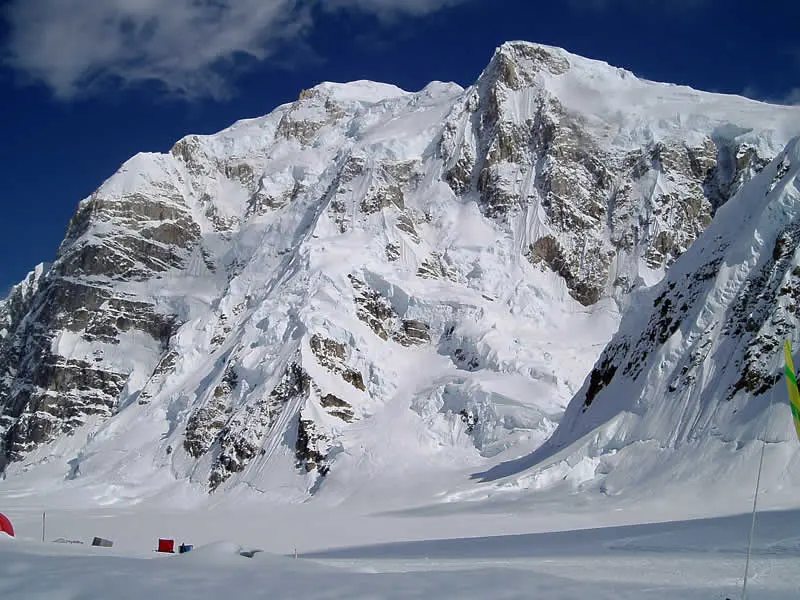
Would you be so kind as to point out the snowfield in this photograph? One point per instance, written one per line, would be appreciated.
(697, 559)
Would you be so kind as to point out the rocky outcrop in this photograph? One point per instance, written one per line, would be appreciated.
(691, 361)
(436, 266)
(597, 203)
(765, 314)
(61, 365)
(148, 236)
(333, 355)
(313, 110)
(239, 435)
(337, 407)
(391, 181)
(47, 394)
(311, 448)
(377, 311)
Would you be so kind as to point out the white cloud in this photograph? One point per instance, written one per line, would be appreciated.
(752, 92)
(385, 8)
(662, 6)
(793, 97)
(188, 46)
(790, 98)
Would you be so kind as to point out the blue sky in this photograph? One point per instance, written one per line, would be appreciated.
(85, 84)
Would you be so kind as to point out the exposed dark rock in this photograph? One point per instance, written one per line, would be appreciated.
(337, 407)
(392, 252)
(241, 437)
(466, 360)
(763, 314)
(413, 332)
(135, 237)
(262, 201)
(308, 454)
(296, 124)
(60, 393)
(469, 419)
(328, 352)
(547, 251)
(373, 309)
(332, 355)
(295, 383)
(377, 312)
(434, 267)
(406, 225)
(600, 377)
(204, 426)
(390, 183)
(590, 196)
(382, 198)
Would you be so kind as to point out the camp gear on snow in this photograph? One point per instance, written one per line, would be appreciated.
(5, 525)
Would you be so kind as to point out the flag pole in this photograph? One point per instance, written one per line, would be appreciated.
(755, 497)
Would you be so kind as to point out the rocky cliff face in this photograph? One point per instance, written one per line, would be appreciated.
(598, 205)
(441, 266)
(696, 369)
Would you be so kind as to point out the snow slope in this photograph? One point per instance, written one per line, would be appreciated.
(681, 401)
(367, 286)
(692, 559)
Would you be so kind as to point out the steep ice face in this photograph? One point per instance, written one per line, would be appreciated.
(693, 377)
(365, 283)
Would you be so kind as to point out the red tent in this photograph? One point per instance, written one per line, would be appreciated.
(166, 545)
(6, 526)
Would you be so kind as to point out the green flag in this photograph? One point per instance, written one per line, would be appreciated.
(791, 383)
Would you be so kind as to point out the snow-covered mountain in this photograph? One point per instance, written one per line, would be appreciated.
(368, 283)
(692, 382)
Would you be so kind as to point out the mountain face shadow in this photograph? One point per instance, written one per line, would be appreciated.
(517, 465)
(778, 536)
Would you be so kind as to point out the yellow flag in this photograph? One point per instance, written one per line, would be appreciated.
(791, 383)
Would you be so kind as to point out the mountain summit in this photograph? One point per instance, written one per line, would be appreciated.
(369, 284)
